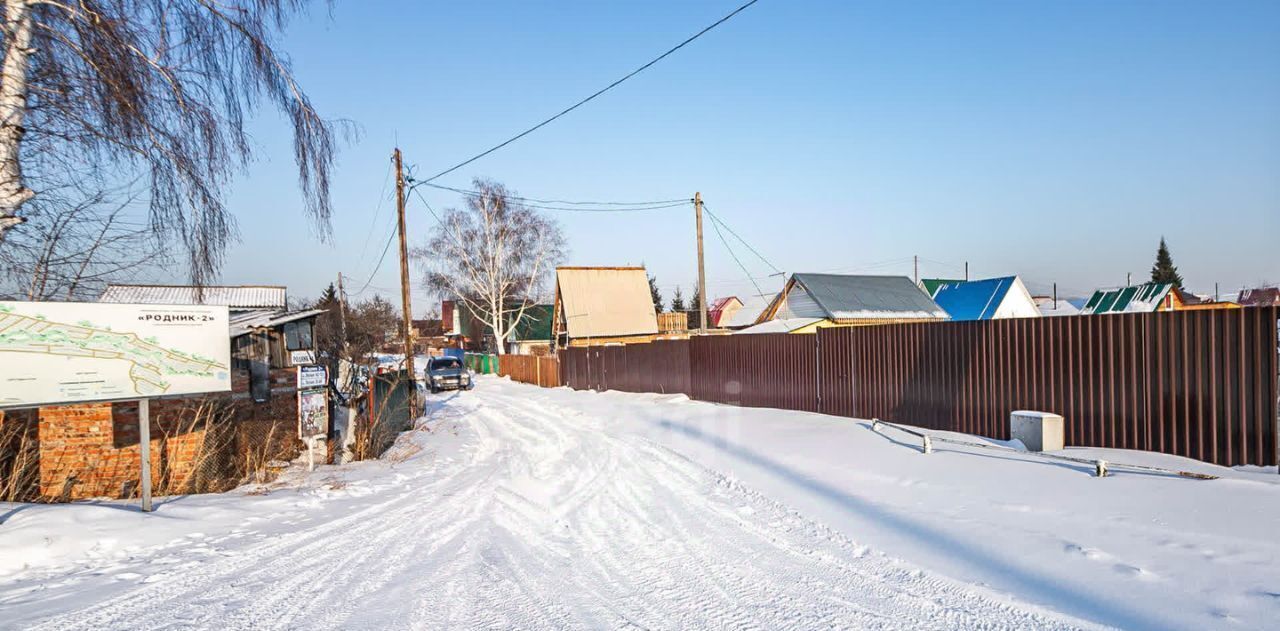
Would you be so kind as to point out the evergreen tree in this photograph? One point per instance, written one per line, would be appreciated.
(328, 297)
(655, 293)
(677, 301)
(1164, 271)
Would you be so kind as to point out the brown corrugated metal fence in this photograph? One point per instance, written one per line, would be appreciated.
(1201, 384)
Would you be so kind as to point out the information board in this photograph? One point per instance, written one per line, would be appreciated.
(74, 352)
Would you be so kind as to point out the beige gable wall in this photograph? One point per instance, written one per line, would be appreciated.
(603, 302)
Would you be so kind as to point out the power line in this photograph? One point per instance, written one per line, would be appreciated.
(716, 225)
(552, 201)
(589, 98)
(373, 221)
(391, 237)
(715, 219)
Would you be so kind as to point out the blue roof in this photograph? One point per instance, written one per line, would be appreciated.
(975, 299)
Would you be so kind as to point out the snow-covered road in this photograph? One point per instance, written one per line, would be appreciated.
(520, 512)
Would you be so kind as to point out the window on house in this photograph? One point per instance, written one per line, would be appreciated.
(297, 336)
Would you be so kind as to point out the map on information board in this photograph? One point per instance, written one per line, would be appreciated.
(72, 352)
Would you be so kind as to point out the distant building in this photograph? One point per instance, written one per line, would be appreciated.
(532, 334)
(602, 305)
(1061, 307)
(987, 299)
(1145, 298)
(722, 310)
(748, 313)
(853, 300)
(1260, 297)
(261, 327)
(931, 285)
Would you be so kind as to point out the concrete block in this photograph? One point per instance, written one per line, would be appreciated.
(1039, 431)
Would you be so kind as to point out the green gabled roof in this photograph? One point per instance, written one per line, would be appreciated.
(931, 285)
(535, 325)
(1134, 299)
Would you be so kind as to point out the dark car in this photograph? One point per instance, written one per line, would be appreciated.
(448, 373)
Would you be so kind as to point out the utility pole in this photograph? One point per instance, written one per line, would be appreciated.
(966, 271)
(1128, 279)
(702, 270)
(342, 314)
(1055, 296)
(406, 324)
(915, 262)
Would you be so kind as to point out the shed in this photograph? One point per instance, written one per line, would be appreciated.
(853, 300)
(602, 305)
(986, 299)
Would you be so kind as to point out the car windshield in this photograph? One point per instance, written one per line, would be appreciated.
(445, 363)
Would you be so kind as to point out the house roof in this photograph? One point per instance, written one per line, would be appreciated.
(931, 285)
(751, 309)
(605, 301)
(720, 303)
(535, 325)
(244, 322)
(1133, 299)
(238, 297)
(785, 325)
(1260, 297)
(849, 297)
(975, 299)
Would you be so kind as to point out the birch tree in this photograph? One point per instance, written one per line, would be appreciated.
(74, 242)
(495, 256)
(157, 88)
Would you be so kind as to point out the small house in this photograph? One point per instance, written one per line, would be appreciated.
(852, 300)
(987, 299)
(722, 310)
(602, 305)
(532, 334)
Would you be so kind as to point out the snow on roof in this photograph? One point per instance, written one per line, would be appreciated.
(605, 301)
(851, 297)
(749, 313)
(236, 297)
(1143, 298)
(780, 326)
(974, 299)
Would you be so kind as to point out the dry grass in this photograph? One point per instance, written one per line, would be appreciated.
(19, 461)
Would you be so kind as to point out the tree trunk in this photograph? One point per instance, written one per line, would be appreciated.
(13, 109)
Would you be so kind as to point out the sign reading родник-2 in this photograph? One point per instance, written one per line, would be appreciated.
(75, 352)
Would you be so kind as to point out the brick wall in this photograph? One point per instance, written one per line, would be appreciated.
(91, 450)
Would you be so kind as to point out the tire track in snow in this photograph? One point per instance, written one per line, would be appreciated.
(552, 521)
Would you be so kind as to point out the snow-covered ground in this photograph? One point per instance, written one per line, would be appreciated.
(513, 506)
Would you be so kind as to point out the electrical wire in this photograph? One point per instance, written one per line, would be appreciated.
(373, 221)
(554, 201)
(590, 98)
(391, 237)
(716, 226)
(715, 219)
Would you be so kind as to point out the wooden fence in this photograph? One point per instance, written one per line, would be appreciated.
(1201, 384)
(539, 371)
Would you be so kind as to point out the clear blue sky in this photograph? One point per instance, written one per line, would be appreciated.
(1058, 141)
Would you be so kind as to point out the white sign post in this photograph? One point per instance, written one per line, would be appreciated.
(60, 353)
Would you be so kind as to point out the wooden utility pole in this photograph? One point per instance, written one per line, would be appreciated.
(407, 323)
(702, 270)
(915, 263)
(342, 315)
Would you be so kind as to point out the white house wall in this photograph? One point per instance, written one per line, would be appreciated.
(1017, 303)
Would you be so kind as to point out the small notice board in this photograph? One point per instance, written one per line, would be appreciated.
(313, 401)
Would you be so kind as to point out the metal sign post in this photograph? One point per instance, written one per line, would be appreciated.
(144, 449)
(313, 408)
